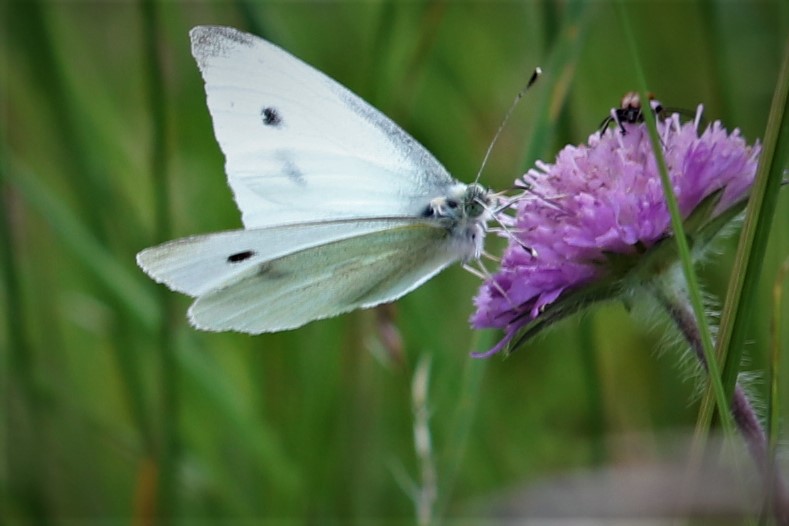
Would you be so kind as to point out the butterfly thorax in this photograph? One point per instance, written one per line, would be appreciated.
(465, 210)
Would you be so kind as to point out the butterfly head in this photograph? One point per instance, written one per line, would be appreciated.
(465, 209)
(462, 203)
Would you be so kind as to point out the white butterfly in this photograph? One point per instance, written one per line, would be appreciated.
(341, 208)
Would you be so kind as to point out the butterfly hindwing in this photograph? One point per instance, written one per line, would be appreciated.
(198, 264)
(326, 280)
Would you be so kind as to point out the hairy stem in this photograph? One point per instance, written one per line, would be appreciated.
(674, 301)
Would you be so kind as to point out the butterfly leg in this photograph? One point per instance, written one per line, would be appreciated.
(483, 273)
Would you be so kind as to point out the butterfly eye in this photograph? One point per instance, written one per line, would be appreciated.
(475, 209)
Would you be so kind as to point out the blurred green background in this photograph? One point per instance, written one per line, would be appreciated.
(115, 409)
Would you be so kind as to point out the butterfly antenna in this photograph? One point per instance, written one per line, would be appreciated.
(534, 76)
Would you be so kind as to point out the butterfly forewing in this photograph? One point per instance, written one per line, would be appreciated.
(299, 146)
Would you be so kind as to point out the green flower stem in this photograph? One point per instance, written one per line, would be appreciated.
(693, 291)
(676, 303)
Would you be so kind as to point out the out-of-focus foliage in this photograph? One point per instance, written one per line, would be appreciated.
(114, 407)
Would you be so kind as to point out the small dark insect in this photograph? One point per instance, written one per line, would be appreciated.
(630, 110)
(240, 256)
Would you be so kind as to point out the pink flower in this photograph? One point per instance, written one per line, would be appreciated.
(597, 212)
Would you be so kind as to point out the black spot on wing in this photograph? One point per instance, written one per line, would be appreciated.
(270, 116)
(290, 168)
(238, 257)
(293, 173)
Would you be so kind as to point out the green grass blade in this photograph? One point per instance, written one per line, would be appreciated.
(774, 395)
(741, 292)
(467, 404)
(167, 454)
(83, 227)
(115, 276)
(686, 260)
(260, 442)
(36, 39)
(558, 72)
(593, 388)
(26, 492)
(756, 230)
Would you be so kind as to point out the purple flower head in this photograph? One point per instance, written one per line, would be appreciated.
(598, 213)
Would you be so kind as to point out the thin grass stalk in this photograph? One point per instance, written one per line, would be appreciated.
(741, 291)
(31, 30)
(20, 400)
(431, 17)
(551, 23)
(683, 249)
(714, 57)
(773, 395)
(755, 234)
(596, 413)
(381, 51)
(20, 394)
(111, 276)
(167, 454)
(559, 70)
(263, 448)
(253, 20)
(134, 301)
(427, 491)
(460, 428)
